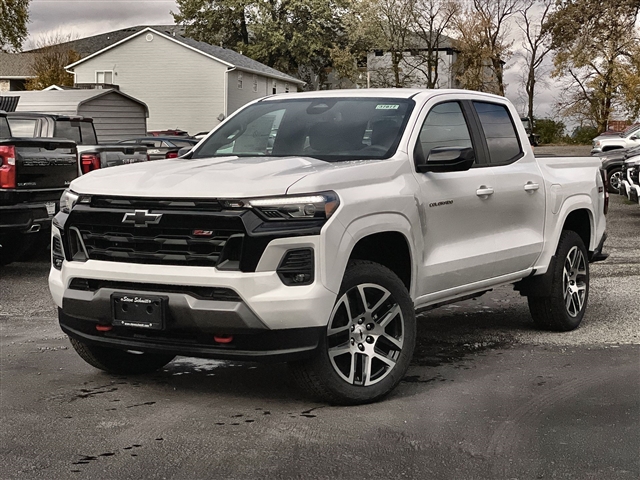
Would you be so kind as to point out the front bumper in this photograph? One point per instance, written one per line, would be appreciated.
(634, 193)
(253, 345)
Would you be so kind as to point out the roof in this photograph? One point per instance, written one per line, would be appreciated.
(223, 55)
(64, 102)
(16, 65)
(416, 41)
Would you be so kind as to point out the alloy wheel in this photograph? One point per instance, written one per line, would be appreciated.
(365, 335)
(574, 281)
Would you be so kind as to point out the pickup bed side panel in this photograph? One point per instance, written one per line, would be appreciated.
(572, 184)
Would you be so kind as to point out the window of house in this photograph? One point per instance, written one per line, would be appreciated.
(255, 83)
(502, 139)
(105, 76)
(286, 88)
(378, 53)
(239, 80)
(445, 126)
(274, 87)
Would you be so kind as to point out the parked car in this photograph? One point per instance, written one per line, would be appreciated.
(171, 133)
(630, 184)
(612, 162)
(319, 249)
(162, 147)
(33, 174)
(92, 156)
(626, 139)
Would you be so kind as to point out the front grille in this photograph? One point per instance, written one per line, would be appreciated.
(180, 238)
(205, 293)
(154, 203)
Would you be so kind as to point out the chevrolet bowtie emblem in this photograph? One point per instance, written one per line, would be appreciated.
(142, 218)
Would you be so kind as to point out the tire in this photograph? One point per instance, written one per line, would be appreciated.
(564, 308)
(117, 361)
(365, 354)
(614, 178)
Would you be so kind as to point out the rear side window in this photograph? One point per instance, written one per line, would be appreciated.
(500, 133)
(4, 128)
(23, 127)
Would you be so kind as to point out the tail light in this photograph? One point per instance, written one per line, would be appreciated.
(148, 157)
(603, 174)
(7, 166)
(171, 155)
(89, 162)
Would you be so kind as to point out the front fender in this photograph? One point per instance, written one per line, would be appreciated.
(360, 228)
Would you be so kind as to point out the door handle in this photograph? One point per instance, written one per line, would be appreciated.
(531, 187)
(484, 191)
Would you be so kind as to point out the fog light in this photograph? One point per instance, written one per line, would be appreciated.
(297, 268)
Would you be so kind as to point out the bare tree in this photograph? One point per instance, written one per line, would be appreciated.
(51, 55)
(432, 18)
(536, 44)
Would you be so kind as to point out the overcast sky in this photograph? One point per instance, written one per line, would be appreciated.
(83, 18)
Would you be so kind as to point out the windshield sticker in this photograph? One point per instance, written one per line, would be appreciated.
(387, 107)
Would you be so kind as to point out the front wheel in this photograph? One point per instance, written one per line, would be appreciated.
(369, 341)
(615, 180)
(564, 308)
(117, 361)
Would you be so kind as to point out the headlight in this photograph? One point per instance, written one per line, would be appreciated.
(316, 205)
(68, 201)
(596, 143)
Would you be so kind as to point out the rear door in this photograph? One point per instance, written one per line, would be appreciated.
(517, 203)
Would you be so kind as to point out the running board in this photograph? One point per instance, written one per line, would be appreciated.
(454, 300)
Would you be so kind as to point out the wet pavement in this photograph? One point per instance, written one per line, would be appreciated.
(487, 397)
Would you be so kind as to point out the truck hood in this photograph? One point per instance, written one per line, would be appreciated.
(222, 177)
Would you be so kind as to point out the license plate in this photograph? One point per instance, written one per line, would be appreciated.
(138, 311)
(51, 208)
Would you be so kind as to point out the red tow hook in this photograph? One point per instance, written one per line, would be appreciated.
(103, 328)
(223, 338)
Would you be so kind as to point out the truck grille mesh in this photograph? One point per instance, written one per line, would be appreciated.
(180, 238)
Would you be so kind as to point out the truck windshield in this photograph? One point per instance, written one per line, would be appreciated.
(330, 129)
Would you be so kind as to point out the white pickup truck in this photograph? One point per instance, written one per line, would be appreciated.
(310, 228)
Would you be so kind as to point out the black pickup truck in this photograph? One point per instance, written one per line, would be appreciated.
(81, 130)
(33, 174)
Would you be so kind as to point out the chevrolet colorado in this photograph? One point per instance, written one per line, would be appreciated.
(310, 228)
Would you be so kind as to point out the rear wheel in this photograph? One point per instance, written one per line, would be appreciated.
(113, 360)
(369, 339)
(564, 308)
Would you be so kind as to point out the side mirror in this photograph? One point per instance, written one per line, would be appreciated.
(183, 151)
(634, 137)
(448, 159)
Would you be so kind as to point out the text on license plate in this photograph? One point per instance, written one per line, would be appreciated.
(51, 208)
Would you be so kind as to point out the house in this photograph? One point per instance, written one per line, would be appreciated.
(115, 115)
(15, 70)
(186, 84)
(413, 64)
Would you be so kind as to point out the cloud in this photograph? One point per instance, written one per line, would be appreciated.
(86, 18)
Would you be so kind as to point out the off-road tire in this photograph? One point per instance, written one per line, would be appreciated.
(117, 361)
(551, 312)
(318, 376)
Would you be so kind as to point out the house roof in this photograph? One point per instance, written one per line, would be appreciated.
(65, 102)
(174, 33)
(16, 65)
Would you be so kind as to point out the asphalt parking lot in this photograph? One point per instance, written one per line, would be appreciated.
(487, 397)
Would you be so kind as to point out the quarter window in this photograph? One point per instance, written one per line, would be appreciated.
(445, 126)
(500, 133)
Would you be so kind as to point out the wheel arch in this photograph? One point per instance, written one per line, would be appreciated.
(384, 238)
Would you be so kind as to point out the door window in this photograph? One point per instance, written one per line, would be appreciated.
(500, 133)
(445, 126)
